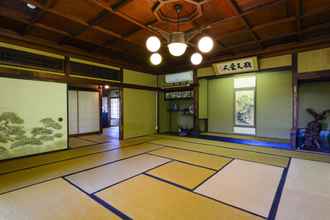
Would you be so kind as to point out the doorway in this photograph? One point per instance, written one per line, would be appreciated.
(111, 113)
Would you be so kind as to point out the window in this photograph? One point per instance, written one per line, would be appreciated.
(244, 117)
(105, 104)
(114, 108)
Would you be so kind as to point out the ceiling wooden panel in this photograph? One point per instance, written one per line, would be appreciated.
(262, 15)
(85, 10)
(61, 23)
(118, 24)
(139, 10)
(248, 4)
(119, 28)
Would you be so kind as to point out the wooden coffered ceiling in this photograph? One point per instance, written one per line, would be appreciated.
(116, 30)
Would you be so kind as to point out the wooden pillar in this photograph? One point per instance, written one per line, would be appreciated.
(295, 100)
(196, 101)
(121, 99)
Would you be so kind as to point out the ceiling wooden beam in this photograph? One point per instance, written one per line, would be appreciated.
(39, 16)
(238, 12)
(93, 22)
(299, 15)
(123, 16)
(76, 20)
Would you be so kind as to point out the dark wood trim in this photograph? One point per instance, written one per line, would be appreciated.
(121, 127)
(196, 101)
(84, 134)
(100, 90)
(323, 75)
(295, 100)
(282, 68)
(76, 88)
(179, 88)
(158, 105)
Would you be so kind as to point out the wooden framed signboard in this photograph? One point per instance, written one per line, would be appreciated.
(249, 64)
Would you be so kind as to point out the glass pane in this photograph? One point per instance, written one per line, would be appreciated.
(114, 108)
(105, 104)
(245, 82)
(244, 107)
(244, 130)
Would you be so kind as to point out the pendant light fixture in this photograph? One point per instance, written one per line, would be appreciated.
(156, 59)
(177, 41)
(177, 45)
(196, 58)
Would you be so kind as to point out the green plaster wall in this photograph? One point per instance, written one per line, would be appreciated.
(221, 104)
(164, 115)
(274, 104)
(315, 95)
(202, 96)
(139, 112)
(138, 78)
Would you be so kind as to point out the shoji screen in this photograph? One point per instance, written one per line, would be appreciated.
(89, 112)
(73, 111)
(33, 117)
(84, 112)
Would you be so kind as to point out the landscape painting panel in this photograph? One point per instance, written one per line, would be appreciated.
(244, 108)
(33, 117)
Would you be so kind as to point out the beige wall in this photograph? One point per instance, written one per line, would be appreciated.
(206, 71)
(139, 112)
(139, 78)
(277, 61)
(314, 60)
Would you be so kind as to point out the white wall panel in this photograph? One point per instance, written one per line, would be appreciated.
(73, 111)
(89, 111)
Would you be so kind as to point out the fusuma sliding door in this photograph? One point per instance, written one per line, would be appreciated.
(84, 112)
(33, 117)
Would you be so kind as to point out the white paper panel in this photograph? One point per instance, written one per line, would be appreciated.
(89, 111)
(73, 112)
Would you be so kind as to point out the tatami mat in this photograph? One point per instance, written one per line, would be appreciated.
(18, 164)
(315, 156)
(54, 200)
(182, 174)
(208, 161)
(78, 142)
(97, 138)
(227, 152)
(247, 185)
(37, 160)
(306, 193)
(27, 177)
(96, 179)
(147, 198)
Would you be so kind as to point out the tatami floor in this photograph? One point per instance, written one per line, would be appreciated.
(165, 177)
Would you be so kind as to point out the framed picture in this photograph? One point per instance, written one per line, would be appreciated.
(245, 108)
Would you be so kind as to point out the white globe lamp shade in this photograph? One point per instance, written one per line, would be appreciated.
(153, 44)
(196, 58)
(156, 59)
(177, 48)
(205, 44)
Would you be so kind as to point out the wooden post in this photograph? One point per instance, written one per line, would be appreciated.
(295, 100)
(196, 101)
